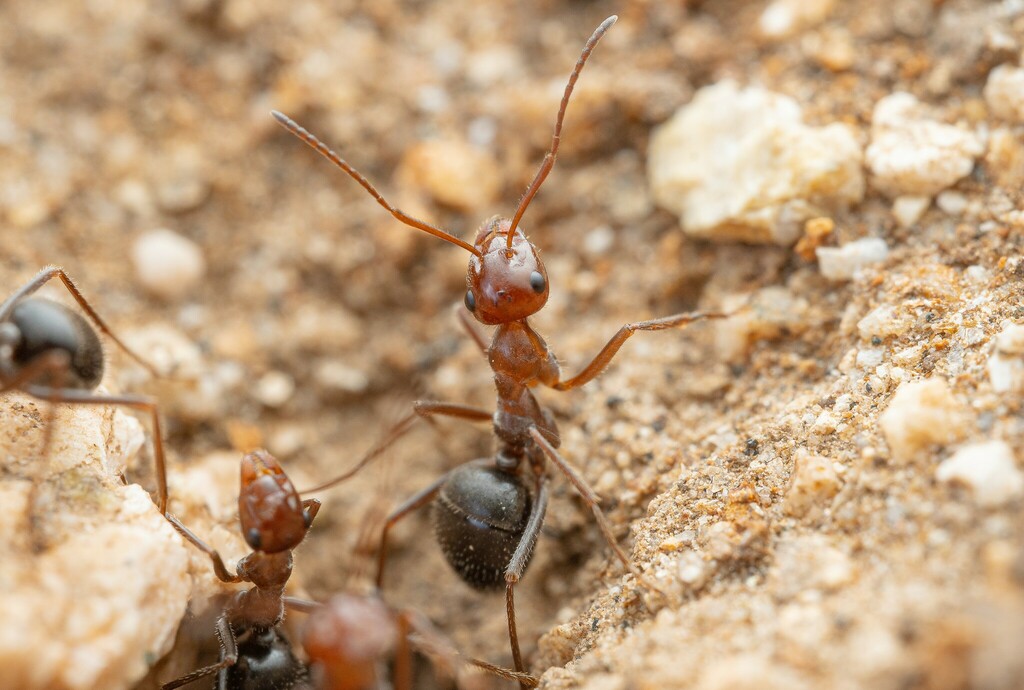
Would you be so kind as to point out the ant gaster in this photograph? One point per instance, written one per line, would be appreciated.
(274, 519)
(50, 352)
(488, 513)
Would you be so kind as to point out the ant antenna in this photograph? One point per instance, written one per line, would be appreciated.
(549, 159)
(321, 148)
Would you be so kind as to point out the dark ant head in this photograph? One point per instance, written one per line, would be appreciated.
(269, 507)
(346, 638)
(479, 518)
(38, 325)
(505, 283)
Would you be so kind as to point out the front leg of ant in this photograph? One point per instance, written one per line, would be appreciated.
(143, 403)
(218, 564)
(228, 657)
(517, 565)
(417, 500)
(591, 499)
(604, 357)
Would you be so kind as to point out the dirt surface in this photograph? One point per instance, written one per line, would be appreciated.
(319, 317)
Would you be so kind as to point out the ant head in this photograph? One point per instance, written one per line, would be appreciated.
(507, 281)
(269, 507)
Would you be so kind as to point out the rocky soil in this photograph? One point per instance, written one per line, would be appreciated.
(827, 487)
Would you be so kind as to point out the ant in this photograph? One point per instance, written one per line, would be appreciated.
(52, 353)
(346, 638)
(254, 652)
(488, 513)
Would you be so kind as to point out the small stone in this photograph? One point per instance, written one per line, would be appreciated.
(739, 164)
(831, 47)
(814, 483)
(909, 209)
(912, 154)
(167, 264)
(870, 357)
(953, 203)
(1005, 158)
(844, 262)
(815, 232)
(692, 569)
(275, 388)
(785, 18)
(883, 322)
(921, 414)
(333, 374)
(770, 313)
(1006, 364)
(453, 172)
(988, 469)
(1004, 93)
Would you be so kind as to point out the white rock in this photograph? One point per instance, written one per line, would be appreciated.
(913, 154)
(739, 164)
(167, 264)
(275, 388)
(909, 209)
(104, 598)
(988, 469)
(953, 203)
(770, 312)
(1006, 364)
(784, 18)
(921, 414)
(842, 263)
(814, 483)
(1004, 92)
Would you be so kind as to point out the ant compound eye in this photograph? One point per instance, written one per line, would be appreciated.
(537, 282)
(470, 300)
(252, 537)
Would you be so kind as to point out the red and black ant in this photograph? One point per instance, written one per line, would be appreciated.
(50, 352)
(274, 519)
(488, 513)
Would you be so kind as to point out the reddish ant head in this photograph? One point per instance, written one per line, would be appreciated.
(269, 507)
(506, 282)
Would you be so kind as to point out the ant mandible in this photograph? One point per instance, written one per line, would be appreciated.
(50, 352)
(488, 515)
(274, 519)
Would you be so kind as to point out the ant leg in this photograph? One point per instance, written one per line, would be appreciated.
(228, 656)
(143, 403)
(399, 429)
(591, 499)
(218, 564)
(517, 564)
(429, 408)
(402, 679)
(469, 325)
(300, 605)
(417, 500)
(51, 272)
(604, 357)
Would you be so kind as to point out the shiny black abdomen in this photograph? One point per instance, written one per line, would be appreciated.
(479, 517)
(265, 662)
(45, 326)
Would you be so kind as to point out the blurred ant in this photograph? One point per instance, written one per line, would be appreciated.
(254, 652)
(488, 513)
(50, 352)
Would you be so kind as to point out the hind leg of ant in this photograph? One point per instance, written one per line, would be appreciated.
(228, 657)
(395, 432)
(48, 274)
(517, 565)
(414, 502)
(143, 403)
(591, 499)
(469, 325)
(218, 563)
(604, 357)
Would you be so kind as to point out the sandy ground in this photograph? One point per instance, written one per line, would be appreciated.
(319, 317)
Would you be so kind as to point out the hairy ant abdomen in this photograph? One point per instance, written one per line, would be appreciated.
(44, 326)
(480, 516)
(266, 662)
